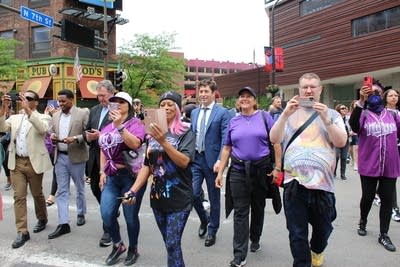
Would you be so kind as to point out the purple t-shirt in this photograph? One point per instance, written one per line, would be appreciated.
(247, 136)
(112, 144)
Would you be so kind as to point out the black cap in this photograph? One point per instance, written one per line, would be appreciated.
(249, 90)
(177, 98)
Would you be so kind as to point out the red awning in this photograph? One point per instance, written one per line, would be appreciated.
(38, 85)
(6, 87)
(87, 86)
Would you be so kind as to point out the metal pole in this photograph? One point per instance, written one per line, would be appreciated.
(272, 41)
(105, 37)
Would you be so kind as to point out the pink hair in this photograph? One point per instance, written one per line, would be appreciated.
(178, 126)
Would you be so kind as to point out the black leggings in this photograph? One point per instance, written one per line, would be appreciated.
(385, 190)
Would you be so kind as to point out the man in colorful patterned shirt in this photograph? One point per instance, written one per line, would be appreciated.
(309, 163)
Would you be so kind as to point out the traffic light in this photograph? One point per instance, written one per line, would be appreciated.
(118, 80)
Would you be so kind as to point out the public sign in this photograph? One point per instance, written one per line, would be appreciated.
(37, 17)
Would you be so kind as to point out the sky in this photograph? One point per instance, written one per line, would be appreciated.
(219, 30)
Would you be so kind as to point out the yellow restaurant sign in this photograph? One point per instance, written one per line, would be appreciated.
(43, 70)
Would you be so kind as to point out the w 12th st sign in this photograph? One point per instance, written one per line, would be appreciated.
(37, 17)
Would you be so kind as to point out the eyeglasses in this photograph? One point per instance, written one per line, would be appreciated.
(343, 108)
(29, 98)
(312, 87)
(120, 101)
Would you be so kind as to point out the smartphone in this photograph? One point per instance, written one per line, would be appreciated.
(368, 81)
(53, 103)
(306, 102)
(158, 116)
(113, 106)
(279, 179)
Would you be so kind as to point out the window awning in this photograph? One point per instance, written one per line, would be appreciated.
(38, 85)
(6, 87)
(87, 86)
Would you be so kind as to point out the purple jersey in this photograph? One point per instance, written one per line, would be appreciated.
(112, 144)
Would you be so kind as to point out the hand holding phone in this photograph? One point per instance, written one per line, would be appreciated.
(113, 106)
(368, 81)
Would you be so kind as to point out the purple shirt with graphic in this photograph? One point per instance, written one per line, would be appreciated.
(112, 144)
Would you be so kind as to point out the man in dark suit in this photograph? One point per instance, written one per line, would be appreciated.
(209, 123)
(98, 118)
(71, 155)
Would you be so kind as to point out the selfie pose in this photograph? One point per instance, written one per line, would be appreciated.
(379, 161)
(168, 158)
(124, 133)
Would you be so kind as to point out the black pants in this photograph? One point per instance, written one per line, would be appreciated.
(94, 181)
(385, 190)
(243, 201)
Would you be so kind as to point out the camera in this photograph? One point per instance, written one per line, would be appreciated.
(14, 96)
(306, 102)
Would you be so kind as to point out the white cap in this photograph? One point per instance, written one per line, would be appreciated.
(122, 95)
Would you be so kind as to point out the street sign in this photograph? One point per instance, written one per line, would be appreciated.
(37, 17)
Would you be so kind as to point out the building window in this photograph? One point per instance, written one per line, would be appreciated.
(7, 35)
(39, 3)
(375, 22)
(87, 52)
(40, 42)
(6, 2)
(312, 6)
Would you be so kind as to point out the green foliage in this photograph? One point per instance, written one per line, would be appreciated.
(8, 64)
(150, 69)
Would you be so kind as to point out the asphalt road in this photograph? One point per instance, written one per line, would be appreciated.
(80, 247)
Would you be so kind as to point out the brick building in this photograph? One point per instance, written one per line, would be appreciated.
(340, 40)
(50, 60)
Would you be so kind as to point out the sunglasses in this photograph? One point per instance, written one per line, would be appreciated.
(29, 98)
(343, 108)
(119, 101)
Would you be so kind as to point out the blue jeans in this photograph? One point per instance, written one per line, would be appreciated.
(171, 226)
(201, 171)
(117, 186)
(305, 207)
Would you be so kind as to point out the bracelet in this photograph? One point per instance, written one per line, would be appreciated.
(121, 129)
(101, 172)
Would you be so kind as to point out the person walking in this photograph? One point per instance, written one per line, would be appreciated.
(98, 119)
(379, 164)
(209, 123)
(27, 160)
(275, 109)
(249, 178)
(342, 152)
(124, 133)
(309, 161)
(168, 159)
(71, 154)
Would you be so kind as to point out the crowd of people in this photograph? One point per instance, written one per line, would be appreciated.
(305, 142)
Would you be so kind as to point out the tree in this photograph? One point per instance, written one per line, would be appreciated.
(149, 66)
(8, 64)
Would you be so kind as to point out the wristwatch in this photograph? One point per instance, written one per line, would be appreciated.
(75, 138)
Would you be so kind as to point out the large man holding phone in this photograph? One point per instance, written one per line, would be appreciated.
(28, 160)
(309, 162)
(209, 123)
(98, 118)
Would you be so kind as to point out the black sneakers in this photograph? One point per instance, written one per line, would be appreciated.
(132, 257)
(115, 253)
(255, 246)
(237, 262)
(386, 242)
(362, 228)
(105, 240)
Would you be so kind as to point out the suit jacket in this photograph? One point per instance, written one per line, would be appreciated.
(93, 123)
(77, 151)
(216, 128)
(37, 129)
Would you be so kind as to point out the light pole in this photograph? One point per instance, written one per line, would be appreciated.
(272, 35)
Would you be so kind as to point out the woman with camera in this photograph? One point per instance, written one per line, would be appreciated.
(379, 164)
